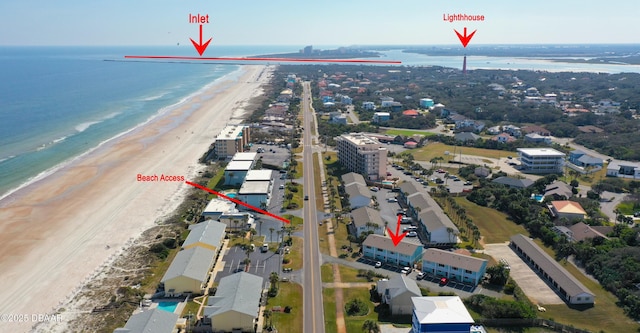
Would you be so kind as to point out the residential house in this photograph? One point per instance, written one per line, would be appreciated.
(151, 320)
(558, 190)
(189, 272)
(537, 138)
(208, 234)
(454, 266)
(410, 113)
(381, 117)
(216, 207)
(581, 231)
(504, 138)
(378, 247)
(623, 169)
(407, 189)
(368, 106)
(467, 136)
(437, 227)
(338, 118)
(584, 160)
(565, 284)
(426, 103)
(355, 186)
(236, 304)
(440, 314)
(397, 293)
(495, 130)
(513, 130)
(567, 209)
(514, 182)
(534, 129)
(366, 219)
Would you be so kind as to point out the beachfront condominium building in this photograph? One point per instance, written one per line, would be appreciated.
(541, 160)
(362, 154)
(232, 139)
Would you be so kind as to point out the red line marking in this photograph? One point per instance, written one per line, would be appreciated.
(267, 59)
(254, 208)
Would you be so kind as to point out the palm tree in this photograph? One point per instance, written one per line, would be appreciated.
(271, 233)
(370, 326)
(260, 230)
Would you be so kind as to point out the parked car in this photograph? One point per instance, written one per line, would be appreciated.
(444, 281)
(406, 270)
(378, 264)
(420, 276)
(412, 234)
(264, 248)
(306, 197)
(392, 200)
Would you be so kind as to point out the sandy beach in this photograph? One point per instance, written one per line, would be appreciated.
(56, 233)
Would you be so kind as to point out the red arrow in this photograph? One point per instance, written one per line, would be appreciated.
(397, 237)
(200, 47)
(254, 208)
(464, 38)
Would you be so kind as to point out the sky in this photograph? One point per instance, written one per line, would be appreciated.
(327, 22)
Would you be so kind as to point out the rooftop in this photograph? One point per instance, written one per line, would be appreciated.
(208, 232)
(239, 166)
(219, 206)
(567, 207)
(385, 243)
(257, 175)
(364, 215)
(353, 177)
(255, 187)
(453, 259)
(230, 132)
(549, 152)
(440, 310)
(246, 156)
(239, 292)
(151, 320)
(359, 139)
(193, 263)
(514, 182)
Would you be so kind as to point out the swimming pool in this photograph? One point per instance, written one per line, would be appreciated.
(537, 197)
(231, 195)
(168, 306)
(387, 182)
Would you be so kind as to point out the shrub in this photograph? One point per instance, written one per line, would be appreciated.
(287, 309)
(356, 307)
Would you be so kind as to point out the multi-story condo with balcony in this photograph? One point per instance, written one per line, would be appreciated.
(362, 154)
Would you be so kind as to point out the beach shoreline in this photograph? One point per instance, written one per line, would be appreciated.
(59, 231)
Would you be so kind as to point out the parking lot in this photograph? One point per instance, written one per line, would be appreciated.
(273, 154)
(262, 264)
(427, 281)
(532, 285)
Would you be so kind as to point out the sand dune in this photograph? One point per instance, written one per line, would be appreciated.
(55, 233)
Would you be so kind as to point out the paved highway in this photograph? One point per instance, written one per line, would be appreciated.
(313, 314)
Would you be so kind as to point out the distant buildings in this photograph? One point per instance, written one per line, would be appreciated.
(381, 117)
(454, 266)
(232, 139)
(362, 154)
(565, 284)
(623, 169)
(426, 102)
(541, 160)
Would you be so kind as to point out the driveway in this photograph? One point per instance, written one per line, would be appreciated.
(607, 207)
(533, 286)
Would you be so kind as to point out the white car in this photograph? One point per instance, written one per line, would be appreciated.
(420, 276)
(406, 270)
(412, 234)
(378, 264)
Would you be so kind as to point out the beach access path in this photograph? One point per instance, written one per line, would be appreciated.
(56, 233)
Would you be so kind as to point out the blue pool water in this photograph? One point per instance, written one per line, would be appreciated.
(537, 197)
(231, 195)
(387, 183)
(168, 306)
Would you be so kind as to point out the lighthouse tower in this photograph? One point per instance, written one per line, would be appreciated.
(464, 65)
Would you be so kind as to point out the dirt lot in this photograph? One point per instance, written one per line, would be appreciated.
(532, 285)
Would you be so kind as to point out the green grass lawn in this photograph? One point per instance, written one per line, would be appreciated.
(407, 132)
(298, 170)
(295, 255)
(216, 181)
(193, 307)
(354, 323)
(437, 149)
(318, 183)
(626, 208)
(326, 271)
(494, 225)
(289, 294)
(329, 303)
(297, 194)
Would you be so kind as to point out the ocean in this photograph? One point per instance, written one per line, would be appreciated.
(57, 103)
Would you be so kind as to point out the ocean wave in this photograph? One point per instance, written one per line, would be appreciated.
(84, 126)
(51, 143)
(7, 158)
(162, 111)
(155, 97)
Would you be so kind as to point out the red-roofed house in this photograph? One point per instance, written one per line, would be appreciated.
(410, 113)
(410, 144)
(504, 138)
(569, 209)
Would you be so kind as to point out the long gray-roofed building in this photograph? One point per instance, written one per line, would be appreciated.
(381, 248)
(236, 304)
(189, 271)
(567, 286)
(455, 266)
(514, 182)
(152, 320)
(208, 234)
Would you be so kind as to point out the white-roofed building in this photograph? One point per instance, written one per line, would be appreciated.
(541, 160)
(440, 314)
(259, 175)
(623, 169)
(151, 320)
(236, 304)
(232, 139)
(245, 156)
(216, 207)
(237, 220)
(255, 193)
(208, 234)
(236, 171)
(189, 272)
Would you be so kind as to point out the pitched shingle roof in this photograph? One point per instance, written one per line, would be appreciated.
(208, 232)
(409, 188)
(385, 243)
(565, 280)
(353, 177)
(364, 215)
(453, 259)
(434, 219)
(193, 263)
(357, 189)
(567, 207)
(152, 320)
(238, 292)
(514, 182)
(397, 285)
